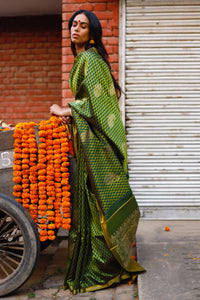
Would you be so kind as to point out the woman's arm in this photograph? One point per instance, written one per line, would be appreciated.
(55, 109)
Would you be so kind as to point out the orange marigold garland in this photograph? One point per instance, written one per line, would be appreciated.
(17, 163)
(41, 175)
(42, 187)
(66, 221)
(25, 166)
(33, 207)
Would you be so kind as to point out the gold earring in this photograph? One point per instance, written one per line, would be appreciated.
(92, 42)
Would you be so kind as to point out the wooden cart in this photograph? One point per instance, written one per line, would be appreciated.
(19, 238)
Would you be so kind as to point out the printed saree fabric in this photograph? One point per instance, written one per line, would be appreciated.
(105, 213)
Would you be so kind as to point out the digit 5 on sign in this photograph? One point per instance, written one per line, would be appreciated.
(6, 159)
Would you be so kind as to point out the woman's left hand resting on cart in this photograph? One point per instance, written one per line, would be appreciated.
(64, 113)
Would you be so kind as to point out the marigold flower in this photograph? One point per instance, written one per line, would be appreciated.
(56, 148)
(50, 206)
(42, 212)
(17, 194)
(25, 172)
(41, 178)
(42, 133)
(51, 226)
(57, 207)
(66, 203)
(67, 220)
(43, 226)
(49, 182)
(50, 213)
(43, 197)
(33, 150)
(50, 178)
(58, 161)
(50, 232)
(32, 179)
(17, 179)
(25, 186)
(66, 210)
(16, 167)
(43, 220)
(51, 237)
(42, 192)
(65, 159)
(42, 202)
(56, 142)
(34, 216)
(25, 180)
(43, 238)
(42, 207)
(50, 202)
(55, 135)
(67, 215)
(41, 166)
(25, 205)
(25, 161)
(25, 197)
(17, 155)
(57, 151)
(42, 159)
(42, 183)
(63, 140)
(66, 226)
(25, 147)
(17, 173)
(62, 135)
(51, 218)
(34, 200)
(66, 187)
(65, 149)
(43, 232)
(25, 166)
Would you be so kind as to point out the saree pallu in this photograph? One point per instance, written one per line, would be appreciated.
(105, 213)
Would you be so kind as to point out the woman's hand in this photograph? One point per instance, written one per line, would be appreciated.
(66, 120)
(63, 112)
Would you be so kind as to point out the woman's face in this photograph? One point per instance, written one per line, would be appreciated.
(80, 34)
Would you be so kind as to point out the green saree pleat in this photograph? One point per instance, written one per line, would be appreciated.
(105, 213)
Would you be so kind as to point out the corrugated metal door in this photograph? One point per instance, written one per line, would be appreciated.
(162, 104)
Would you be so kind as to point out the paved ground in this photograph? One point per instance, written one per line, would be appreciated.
(171, 258)
(47, 279)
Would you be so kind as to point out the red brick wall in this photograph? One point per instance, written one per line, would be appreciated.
(30, 67)
(108, 14)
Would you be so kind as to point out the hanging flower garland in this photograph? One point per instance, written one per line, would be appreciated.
(41, 174)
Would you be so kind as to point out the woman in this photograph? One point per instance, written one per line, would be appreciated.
(104, 213)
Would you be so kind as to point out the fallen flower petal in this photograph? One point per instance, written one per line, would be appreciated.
(167, 228)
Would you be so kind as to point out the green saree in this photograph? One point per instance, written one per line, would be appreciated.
(104, 213)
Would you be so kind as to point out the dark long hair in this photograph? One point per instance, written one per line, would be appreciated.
(96, 35)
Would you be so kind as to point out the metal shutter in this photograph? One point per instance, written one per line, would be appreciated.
(162, 106)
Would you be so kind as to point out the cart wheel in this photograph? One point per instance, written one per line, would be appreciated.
(19, 245)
